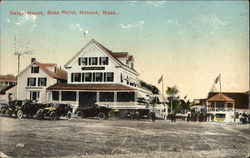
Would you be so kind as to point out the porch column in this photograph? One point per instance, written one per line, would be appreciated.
(97, 96)
(60, 95)
(234, 110)
(225, 105)
(77, 97)
(215, 106)
(135, 100)
(115, 97)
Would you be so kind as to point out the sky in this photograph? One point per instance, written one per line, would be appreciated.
(188, 42)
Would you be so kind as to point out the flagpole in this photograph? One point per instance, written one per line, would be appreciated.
(162, 85)
(220, 82)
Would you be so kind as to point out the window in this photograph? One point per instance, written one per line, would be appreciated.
(103, 61)
(93, 61)
(87, 77)
(68, 96)
(34, 69)
(106, 96)
(31, 82)
(125, 96)
(82, 61)
(76, 77)
(42, 81)
(34, 95)
(110, 76)
(55, 95)
(98, 77)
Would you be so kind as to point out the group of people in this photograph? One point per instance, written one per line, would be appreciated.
(197, 117)
(172, 116)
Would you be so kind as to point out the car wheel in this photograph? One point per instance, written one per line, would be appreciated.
(3, 111)
(80, 114)
(39, 114)
(20, 114)
(101, 116)
(9, 113)
(53, 116)
(69, 115)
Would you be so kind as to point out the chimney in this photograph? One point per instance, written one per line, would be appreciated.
(33, 59)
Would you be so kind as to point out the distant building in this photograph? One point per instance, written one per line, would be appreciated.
(35, 78)
(227, 106)
(6, 80)
(7, 87)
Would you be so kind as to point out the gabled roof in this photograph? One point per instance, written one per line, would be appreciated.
(4, 89)
(119, 54)
(220, 97)
(114, 55)
(241, 98)
(90, 87)
(58, 73)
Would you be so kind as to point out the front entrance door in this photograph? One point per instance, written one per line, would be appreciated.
(34, 95)
(87, 99)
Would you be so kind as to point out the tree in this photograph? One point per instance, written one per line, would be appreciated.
(150, 87)
(173, 100)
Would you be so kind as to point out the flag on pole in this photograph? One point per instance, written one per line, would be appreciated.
(160, 79)
(213, 89)
(217, 79)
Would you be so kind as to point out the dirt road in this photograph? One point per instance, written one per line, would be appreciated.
(121, 138)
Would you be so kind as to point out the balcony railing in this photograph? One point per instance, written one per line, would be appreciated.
(220, 109)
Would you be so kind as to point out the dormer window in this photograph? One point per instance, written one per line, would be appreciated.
(34, 69)
(103, 61)
(93, 61)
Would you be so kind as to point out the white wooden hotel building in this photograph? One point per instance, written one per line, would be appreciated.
(98, 75)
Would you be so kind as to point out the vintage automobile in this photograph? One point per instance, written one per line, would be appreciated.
(3, 107)
(54, 111)
(19, 108)
(93, 111)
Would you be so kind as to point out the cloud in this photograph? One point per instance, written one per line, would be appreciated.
(27, 19)
(138, 24)
(156, 3)
(78, 28)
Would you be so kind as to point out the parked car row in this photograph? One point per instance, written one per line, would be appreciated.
(29, 109)
(53, 111)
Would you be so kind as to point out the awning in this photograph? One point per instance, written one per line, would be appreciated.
(90, 87)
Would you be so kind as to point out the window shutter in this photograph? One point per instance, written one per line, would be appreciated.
(100, 60)
(89, 61)
(94, 77)
(28, 82)
(72, 75)
(105, 75)
(79, 61)
(112, 74)
(107, 60)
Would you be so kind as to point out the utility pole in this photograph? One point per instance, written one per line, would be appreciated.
(18, 59)
(19, 55)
